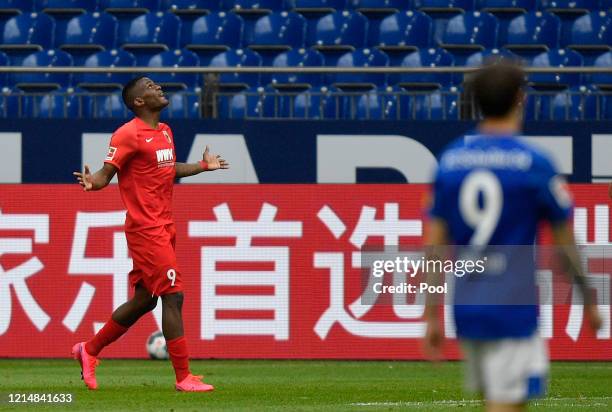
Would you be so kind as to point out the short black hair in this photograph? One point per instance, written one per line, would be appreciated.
(497, 87)
(126, 93)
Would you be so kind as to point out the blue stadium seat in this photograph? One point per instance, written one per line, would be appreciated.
(14, 7)
(571, 104)
(426, 58)
(44, 81)
(319, 6)
(66, 6)
(391, 6)
(89, 33)
(440, 104)
(533, 32)
(4, 61)
(556, 58)
(445, 5)
(361, 58)
(318, 103)
(296, 58)
(569, 6)
(605, 5)
(252, 10)
(107, 58)
(175, 58)
(129, 6)
(186, 7)
(213, 34)
(234, 58)
(151, 33)
(468, 32)
(404, 32)
(373, 105)
(104, 106)
(602, 79)
(255, 102)
(183, 106)
(279, 31)
(338, 32)
(60, 104)
(9, 103)
(488, 56)
(508, 6)
(25, 33)
(592, 32)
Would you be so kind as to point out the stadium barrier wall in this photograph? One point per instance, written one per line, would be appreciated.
(47, 150)
(291, 247)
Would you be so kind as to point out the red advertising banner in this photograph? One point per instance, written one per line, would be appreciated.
(270, 271)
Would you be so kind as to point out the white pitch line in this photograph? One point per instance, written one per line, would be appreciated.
(452, 402)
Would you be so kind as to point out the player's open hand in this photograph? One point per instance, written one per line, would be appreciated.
(214, 161)
(84, 179)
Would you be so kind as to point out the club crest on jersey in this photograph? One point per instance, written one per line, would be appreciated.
(165, 157)
(111, 153)
(167, 136)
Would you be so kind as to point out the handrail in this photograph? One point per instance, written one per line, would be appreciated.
(267, 69)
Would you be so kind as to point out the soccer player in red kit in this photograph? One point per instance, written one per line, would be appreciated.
(141, 153)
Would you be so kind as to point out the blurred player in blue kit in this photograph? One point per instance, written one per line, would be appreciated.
(493, 189)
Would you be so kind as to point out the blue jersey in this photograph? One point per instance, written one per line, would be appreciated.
(494, 190)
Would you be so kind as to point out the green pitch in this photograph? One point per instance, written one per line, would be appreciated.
(288, 386)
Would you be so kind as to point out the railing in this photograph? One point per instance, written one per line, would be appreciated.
(214, 100)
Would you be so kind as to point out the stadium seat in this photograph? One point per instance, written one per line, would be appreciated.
(555, 58)
(508, 6)
(361, 58)
(533, 32)
(338, 32)
(255, 102)
(104, 106)
(183, 105)
(187, 7)
(4, 61)
(603, 80)
(296, 58)
(151, 33)
(66, 6)
(60, 104)
(318, 103)
(376, 11)
(26, 33)
(445, 5)
(592, 32)
(9, 103)
(569, 6)
(404, 32)
(426, 58)
(175, 58)
(213, 34)
(487, 56)
(44, 81)
(571, 104)
(129, 6)
(440, 104)
(14, 7)
(319, 6)
(252, 10)
(107, 58)
(605, 5)
(89, 33)
(373, 105)
(468, 32)
(237, 58)
(277, 32)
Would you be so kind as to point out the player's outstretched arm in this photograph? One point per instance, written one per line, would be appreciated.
(98, 180)
(209, 162)
(563, 237)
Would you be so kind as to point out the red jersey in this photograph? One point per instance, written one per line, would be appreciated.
(144, 158)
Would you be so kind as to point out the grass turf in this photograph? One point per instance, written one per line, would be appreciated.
(264, 385)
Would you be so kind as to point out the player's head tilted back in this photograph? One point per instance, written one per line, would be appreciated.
(498, 91)
(142, 94)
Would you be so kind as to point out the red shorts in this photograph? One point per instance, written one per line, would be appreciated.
(154, 260)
